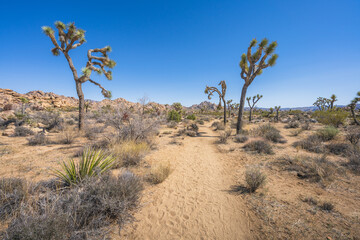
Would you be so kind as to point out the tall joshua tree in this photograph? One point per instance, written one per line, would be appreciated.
(69, 38)
(352, 106)
(252, 104)
(332, 100)
(277, 109)
(251, 66)
(229, 106)
(210, 91)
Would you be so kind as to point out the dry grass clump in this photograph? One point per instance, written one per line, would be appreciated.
(92, 132)
(339, 148)
(254, 179)
(38, 139)
(67, 136)
(316, 169)
(259, 146)
(159, 172)
(128, 153)
(21, 131)
(13, 192)
(172, 124)
(353, 135)
(292, 124)
(218, 126)
(312, 143)
(224, 136)
(354, 161)
(240, 138)
(192, 130)
(327, 133)
(327, 206)
(270, 133)
(306, 126)
(86, 211)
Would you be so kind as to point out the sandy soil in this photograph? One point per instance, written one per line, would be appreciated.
(194, 202)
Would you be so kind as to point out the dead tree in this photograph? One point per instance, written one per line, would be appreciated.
(69, 38)
(210, 91)
(251, 66)
(352, 106)
(277, 109)
(252, 104)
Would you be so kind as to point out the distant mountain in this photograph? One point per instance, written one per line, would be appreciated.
(203, 105)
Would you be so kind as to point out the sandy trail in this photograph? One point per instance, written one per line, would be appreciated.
(193, 203)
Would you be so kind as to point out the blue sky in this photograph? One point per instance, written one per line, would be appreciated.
(170, 50)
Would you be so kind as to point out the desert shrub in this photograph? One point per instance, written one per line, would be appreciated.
(86, 211)
(128, 153)
(7, 107)
(312, 143)
(332, 117)
(224, 136)
(67, 136)
(310, 200)
(92, 163)
(21, 131)
(70, 121)
(254, 179)
(259, 146)
(354, 161)
(306, 126)
(339, 148)
(353, 135)
(174, 115)
(270, 133)
(191, 117)
(201, 122)
(292, 124)
(218, 126)
(327, 133)
(172, 124)
(317, 169)
(50, 120)
(12, 193)
(296, 132)
(240, 138)
(38, 139)
(159, 173)
(91, 132)
(327, 206)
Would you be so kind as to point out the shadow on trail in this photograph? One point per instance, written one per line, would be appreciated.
(238, 190)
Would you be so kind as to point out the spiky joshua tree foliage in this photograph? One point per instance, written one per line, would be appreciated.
(252, 104)
(252, 66)
(352, 106)
(277, 109)
(210, 92)
(69, 38)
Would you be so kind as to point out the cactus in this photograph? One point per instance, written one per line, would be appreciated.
(70, 37)
(210, 91)
(277, 109)
(352, 106)
(252, 66)
(252, 104)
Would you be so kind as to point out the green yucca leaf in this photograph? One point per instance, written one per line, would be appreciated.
(243, 61)
(263, 43)
(60, 25)
(110, 63)
(108, 49)
(271, 48)
(272, 60)
(106, 94)
(47, 30)
(253, 42)
(55, 51)
(86, 71)
(259, 73)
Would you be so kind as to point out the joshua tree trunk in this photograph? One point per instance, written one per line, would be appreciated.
(250, 113)
(354, 116)
(224, 111)
(81, 104)
(241, 109)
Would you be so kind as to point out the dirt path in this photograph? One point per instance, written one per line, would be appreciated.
(193, 203)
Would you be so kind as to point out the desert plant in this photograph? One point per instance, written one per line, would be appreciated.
(13, 191)
(334, 117)
(259, 146)
(333, 99)
(354, 160)
(128, 153)
(210, 91)
(159, 173)
(254, 179)
(174, 115)
(67, 136)
(224, 136)
(49, 120)
(353, 135)
(322, 103)
(339, 148)
(8, 107)
(172, 124)
(270, 133)
(252, 104)
(218, 126)
(92, 162)
(306, 126)
(240, 138)
(191, 117)
(352, 106)
(327, 206)
(21, 131)
(250, 69)
(312, 143)
(277, 109)
(327, 133)
(70, 38)
(38, 139)
(292, 124)
(24, 101)
(92, 132)
(229, 106)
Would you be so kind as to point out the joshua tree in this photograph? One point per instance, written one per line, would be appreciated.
(210, 91)
(69, 38)
(24, 101)
(277, 109)
(352, 106)
(323, 103)
(178, 107)
(143, 102)
(87, 105)
(252, 104)
(332, 100)
(229, 105)
(251, 66)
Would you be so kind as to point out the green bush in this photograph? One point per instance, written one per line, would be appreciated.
(174, 115)
(191, 117)
(327, 133)
(331, 117)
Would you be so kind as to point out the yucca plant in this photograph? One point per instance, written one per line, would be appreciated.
(92, 162)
